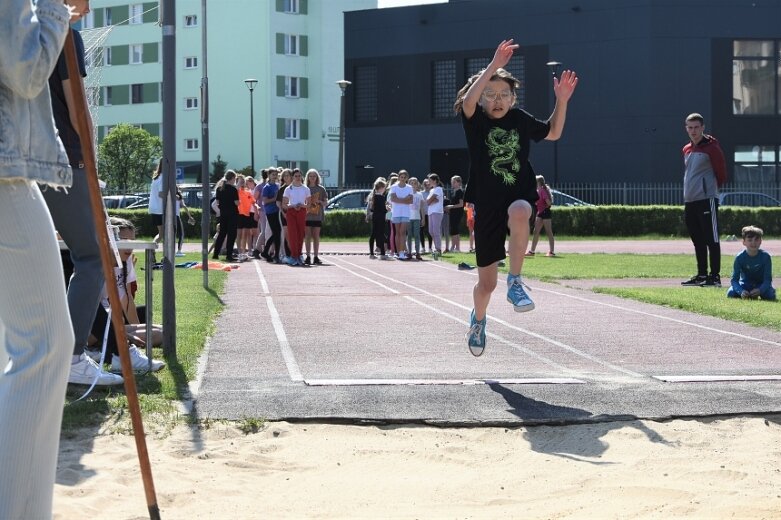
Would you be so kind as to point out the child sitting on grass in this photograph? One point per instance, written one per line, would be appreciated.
(752, 273)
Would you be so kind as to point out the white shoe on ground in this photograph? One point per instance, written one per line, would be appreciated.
(138, 360)
(85, 371)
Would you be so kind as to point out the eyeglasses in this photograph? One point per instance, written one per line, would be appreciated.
(490, 95)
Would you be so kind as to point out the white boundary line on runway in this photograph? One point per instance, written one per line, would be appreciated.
(651, 314)
(492, 335)
(284, 345)
(709, 379)
(445, 382)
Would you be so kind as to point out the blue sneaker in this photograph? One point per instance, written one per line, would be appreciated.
(475, 337)
(517, 295)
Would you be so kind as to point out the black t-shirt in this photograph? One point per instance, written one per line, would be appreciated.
(499, 169)
(227, 195)
(68, 135)
(457, 197)
(379, 209)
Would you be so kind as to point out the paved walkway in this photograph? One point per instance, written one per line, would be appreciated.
(364, 340)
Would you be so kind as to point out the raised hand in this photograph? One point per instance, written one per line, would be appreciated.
(503, 53)
(564, 87)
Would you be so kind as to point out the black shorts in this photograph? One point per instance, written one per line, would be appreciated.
(546, 214)
(157, 219)
(314, 223)
(455, 217)
(491, 232)
(247, 222)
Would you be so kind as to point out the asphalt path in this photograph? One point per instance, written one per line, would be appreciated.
(368, 340)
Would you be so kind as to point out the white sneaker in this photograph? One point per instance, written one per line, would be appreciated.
(85, 371)
(179, 253)
(138, 360)
(93, 354)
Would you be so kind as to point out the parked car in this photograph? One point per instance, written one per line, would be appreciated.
(564, 199)
(122, 201)
(747, 198)
(191, 193)
(356, 199)
(350, 199)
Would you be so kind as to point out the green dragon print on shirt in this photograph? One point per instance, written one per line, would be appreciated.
(503, 152)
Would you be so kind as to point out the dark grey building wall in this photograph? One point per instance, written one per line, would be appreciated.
(644, 65)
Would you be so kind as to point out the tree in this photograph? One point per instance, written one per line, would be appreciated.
(127, 156)
(220, 167)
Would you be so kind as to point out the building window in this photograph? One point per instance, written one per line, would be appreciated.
(756, 71)
(136, 14)
(191, 20)
(191, 144)
(107, 17)
(365, 91)
(107, 95)
(136, 93)
(190, 103)
(291, 86)
(191, 62)
(292, 127)
(106, 55)
(291, 44)
(757, 165)
(445, 88)
(291, 6)
(291, 164)
(136, 54)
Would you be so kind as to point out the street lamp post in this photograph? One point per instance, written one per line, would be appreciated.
(554, 67)
(251, 86)
(343, 83)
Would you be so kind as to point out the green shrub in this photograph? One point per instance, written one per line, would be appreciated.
(576, 221)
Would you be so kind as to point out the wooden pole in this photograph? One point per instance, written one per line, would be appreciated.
(96, 202)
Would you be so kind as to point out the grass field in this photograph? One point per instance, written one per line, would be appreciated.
(196, 310)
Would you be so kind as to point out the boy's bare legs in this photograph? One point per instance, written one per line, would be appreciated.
(486, 283)
(481, 294)
(518, 215)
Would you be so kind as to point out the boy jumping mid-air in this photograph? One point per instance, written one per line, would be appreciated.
(502, 185)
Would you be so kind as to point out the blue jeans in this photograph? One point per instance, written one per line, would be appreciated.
(72, 216)
(413, 231)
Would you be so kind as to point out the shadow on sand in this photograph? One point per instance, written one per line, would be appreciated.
(582, 438)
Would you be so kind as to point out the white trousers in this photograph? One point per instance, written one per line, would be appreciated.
(36, 342)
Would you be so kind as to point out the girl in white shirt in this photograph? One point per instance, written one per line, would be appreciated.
(416, 212)
(436, 198)
(401, 198)
(295, 201)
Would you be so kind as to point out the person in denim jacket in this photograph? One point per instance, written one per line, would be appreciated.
(35, 332)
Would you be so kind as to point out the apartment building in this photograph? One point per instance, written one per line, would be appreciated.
(294, 48)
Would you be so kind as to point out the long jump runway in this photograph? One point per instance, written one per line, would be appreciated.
(367, 340)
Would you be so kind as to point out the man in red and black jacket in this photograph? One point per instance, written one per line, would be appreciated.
(705, 171)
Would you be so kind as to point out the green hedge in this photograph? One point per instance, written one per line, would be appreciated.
(144, 227)
(576, 221)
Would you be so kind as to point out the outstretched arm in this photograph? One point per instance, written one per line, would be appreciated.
(563, 90)
(504, 51)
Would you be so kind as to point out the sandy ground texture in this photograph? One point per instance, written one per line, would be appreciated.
(715, 468)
